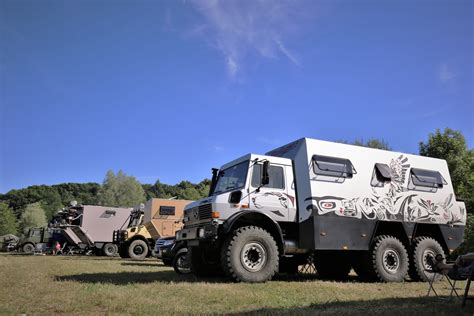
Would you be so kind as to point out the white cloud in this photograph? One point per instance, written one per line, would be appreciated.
(446, 73)
(243, 29)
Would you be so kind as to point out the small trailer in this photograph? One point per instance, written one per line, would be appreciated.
(382, 213)
(91, 226)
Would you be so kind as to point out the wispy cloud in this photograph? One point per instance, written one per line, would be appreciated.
(446, 73)
(244, 29)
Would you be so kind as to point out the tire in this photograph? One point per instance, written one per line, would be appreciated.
(334, 265)
(389, 259)
(250, 255)
(203, 264)
(180, 262)
(138, 249)
(28, 248)
(421, 249)
(110, 250)
(123, 251)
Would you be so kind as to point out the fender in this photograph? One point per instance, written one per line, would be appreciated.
(254, 217)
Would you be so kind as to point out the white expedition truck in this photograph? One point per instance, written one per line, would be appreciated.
(380, 212)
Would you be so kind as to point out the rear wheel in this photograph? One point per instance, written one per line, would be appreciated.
(389, 259)
(138, 249)
(28, 248)
(250, 255)
(110, 249)
(422, 249)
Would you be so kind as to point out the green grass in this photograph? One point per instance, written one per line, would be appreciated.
(95, 285)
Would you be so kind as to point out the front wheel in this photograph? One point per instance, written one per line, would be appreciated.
(250, 254)
(28, 248)
(138, 249)
(180, 262)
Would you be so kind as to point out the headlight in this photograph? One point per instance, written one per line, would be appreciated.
(201, 232)
(168, 242)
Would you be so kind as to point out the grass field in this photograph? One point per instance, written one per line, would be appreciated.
(96, 285)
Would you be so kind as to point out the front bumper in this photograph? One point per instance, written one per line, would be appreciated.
(202, 232)
(119, 236)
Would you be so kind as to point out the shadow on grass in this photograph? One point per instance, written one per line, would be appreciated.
(143, 264)
(124, 278)
(388, 306)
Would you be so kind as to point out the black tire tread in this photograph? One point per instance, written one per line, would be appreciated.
(226, 252)
(378, 240)
(415, 272)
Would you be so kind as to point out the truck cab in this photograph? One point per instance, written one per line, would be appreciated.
(251, 184)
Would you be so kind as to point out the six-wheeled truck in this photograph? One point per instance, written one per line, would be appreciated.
(157, 218)
(379, 212)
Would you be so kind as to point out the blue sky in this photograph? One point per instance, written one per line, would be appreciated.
(168, 89)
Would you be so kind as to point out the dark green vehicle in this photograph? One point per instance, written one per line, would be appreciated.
(35, 236)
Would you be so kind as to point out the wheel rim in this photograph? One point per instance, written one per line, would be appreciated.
(253, 256)
(110, 249)
(391, 260)
(183, 264)
(427, 254)
(138, 250)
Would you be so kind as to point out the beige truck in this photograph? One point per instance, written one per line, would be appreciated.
(155, 219)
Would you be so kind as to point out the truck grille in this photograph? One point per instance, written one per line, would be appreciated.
(205, 211)
(200, 212)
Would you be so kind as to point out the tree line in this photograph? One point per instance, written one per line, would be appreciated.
(35, 205)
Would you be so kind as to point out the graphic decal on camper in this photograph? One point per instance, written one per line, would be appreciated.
(391, 202)
(282, 198)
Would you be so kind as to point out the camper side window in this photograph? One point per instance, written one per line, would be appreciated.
(167, 210)
(381, 175)
(332, 169)
(426, 180)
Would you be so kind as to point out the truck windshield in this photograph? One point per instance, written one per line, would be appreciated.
(231, 178)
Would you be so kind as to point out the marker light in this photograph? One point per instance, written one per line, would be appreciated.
(215, 214)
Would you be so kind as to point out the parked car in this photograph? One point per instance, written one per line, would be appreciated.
(173, 253)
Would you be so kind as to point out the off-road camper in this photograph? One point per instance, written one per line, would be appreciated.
(381, 212)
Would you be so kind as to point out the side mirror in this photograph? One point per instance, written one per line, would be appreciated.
(235, 197)
(265, 177)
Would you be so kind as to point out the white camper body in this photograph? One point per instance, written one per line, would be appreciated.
(313, 196)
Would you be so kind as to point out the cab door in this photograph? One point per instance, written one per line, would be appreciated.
(272, 198)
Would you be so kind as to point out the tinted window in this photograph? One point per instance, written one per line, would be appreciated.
(231, 178)
(167, 210)
(427, 178)
(333, 166)
(275, 173)
(381, 174)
